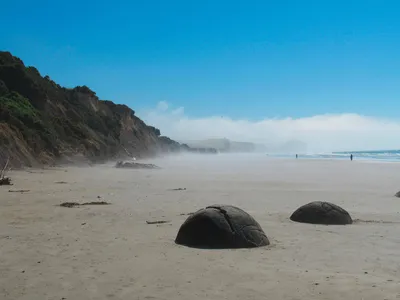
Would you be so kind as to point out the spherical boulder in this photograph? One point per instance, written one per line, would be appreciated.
(321, 213)
(221, 227)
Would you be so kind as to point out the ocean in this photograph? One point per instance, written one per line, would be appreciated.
(376, 155)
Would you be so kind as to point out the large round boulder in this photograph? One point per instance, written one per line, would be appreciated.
(221, 227)
(321, 213)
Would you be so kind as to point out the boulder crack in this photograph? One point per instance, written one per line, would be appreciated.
(226, 216)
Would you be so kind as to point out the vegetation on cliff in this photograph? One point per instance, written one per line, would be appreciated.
(42, 122)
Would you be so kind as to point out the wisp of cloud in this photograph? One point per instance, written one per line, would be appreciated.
(320, 133)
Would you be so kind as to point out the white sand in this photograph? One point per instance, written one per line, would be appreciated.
(109, 252)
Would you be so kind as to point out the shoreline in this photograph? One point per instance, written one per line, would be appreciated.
(172, 156)
(338, 158)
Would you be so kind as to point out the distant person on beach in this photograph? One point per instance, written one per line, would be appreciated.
(296, 156)
(351, 156)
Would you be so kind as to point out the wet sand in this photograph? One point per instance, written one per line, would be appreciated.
(110, 252)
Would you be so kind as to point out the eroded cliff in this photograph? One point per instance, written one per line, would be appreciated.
(42, 122)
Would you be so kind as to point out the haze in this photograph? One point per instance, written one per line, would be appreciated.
(321, 133)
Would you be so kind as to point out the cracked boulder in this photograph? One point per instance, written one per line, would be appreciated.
(321, 213)
(221, 227)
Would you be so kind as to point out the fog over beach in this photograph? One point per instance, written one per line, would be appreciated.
(107, 252)
(320, 133)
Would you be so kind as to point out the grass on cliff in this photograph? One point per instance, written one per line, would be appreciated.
(18, 106)
(17, 111)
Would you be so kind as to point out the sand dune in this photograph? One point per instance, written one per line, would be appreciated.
(110, 252)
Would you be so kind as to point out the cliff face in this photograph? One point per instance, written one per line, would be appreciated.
(42, 122)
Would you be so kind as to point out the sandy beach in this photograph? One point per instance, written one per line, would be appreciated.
(110, 252)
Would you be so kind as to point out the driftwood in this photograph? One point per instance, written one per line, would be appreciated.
(179, 189)
(127, 152)
(187, 214)
(157, 222)
(3, 179)
(69, 204)
(73, 204)
(3, 171)
(18, 191)
(135, 165)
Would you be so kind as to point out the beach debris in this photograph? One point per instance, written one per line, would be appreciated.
(61, 182)
(186, 214)
(18, 191)
(35, 172)
(69, 204)
(397, 194)
(324, 213)
(179, 189)
(4, 180)
(135, 165)
(221, 227)
(73, 204)
(157, 222)
(96, 203)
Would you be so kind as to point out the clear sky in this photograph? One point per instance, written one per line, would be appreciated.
(243, 60)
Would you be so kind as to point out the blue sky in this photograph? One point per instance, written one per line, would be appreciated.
(244, 60)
